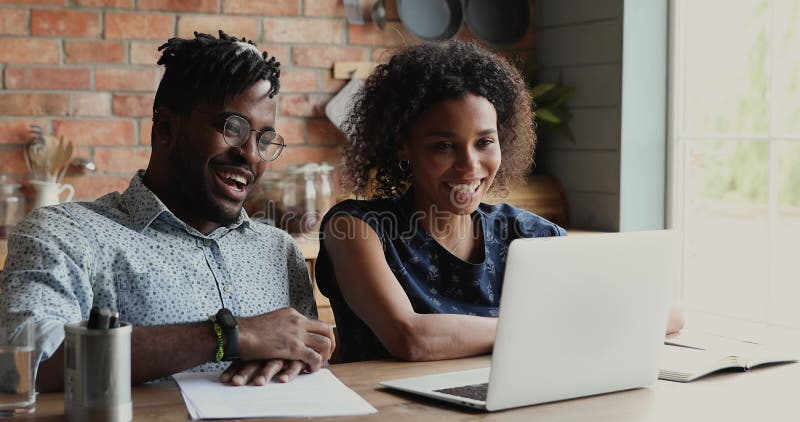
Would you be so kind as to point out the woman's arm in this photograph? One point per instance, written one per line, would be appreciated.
(374, 294)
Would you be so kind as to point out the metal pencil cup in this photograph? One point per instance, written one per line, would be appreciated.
(97, 373)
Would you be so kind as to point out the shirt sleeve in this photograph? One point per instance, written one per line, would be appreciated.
(301, 294)
(46, 277)
(528, 224)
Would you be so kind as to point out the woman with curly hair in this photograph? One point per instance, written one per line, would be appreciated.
(415, 271)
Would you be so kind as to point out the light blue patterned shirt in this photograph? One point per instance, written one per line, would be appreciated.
(129, 252)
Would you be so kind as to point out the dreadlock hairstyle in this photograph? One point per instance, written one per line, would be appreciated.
(397, 93)
(211, 69)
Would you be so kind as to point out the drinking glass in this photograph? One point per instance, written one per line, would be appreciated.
(17, 386)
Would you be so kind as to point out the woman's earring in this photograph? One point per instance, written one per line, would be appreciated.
(404, 165)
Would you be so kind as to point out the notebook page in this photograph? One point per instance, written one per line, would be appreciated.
(317, 394)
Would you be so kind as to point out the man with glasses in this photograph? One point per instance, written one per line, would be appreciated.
(175, 253)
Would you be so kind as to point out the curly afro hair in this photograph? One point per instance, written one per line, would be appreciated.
(397, 93)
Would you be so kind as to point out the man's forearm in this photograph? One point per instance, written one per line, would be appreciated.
(162, 350)
(156, 352)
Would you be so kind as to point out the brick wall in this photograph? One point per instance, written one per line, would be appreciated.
(86, 69)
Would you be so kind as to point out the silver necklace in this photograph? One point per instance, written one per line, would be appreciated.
(452, 251)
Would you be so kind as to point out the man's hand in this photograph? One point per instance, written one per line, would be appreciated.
(260, 373)
(285, 334)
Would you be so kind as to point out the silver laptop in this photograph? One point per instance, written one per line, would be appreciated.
(579, 315)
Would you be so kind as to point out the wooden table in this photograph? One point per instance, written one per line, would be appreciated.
(763, 394)
(3, 252)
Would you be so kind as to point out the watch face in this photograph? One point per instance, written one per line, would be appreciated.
(225, 318)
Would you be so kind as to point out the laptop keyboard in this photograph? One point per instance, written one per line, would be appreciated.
(475, 391)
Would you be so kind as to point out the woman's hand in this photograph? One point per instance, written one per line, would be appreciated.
(675, 321)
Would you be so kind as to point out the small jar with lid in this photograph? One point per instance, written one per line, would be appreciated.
(12, 206)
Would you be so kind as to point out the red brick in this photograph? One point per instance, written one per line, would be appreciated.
(325, 8)
(126, 79)
(96, 132)
(382, 55)
(133, 105)
(180, 5)
(33, 104)
(47, 78)
(88, 188)
(325, 56)
(91, 104)
(145, 130)
(298, 80)
(142, 26)
(280, 52)
(304, 30)
(144, 52)
(118, 4)
(94, 52)
(303, 105)
(14, 22)
(16, 131)
(329, 83)
(292, 129)
(262, 7)
(296, 154)
(323, 132)
(36, 2)
(27, 50)
(65, 23)
(117, 160)
(238, 26)
(13, 161)
(370, 35)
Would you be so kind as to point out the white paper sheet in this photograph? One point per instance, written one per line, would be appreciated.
(317, 394)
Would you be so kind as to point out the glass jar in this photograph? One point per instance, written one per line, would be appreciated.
(12, 206)
(264, 199)
(324, 188)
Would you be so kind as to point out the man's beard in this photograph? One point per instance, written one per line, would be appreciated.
(192, 192)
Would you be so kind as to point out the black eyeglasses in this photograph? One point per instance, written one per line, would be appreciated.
(236, 130)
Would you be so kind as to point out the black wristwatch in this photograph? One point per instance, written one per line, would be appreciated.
(230, 329)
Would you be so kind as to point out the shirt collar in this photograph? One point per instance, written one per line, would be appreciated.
(144, 207)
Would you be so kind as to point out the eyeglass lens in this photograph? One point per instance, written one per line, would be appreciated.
(237, 130)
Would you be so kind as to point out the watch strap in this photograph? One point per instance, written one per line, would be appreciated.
(220, 352)
(230, 331)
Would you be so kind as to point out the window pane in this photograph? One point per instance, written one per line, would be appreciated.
(726, 67)
(726, 228)
(738, 114)
(727, 173)
(786, 65)
(785, 237)
(788, 173)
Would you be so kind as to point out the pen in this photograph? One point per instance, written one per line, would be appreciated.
(104, 319)
(113, 322)
(94, 316)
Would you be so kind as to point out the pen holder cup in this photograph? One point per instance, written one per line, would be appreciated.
(97, 373)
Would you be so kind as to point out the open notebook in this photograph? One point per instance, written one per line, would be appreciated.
(687, 358)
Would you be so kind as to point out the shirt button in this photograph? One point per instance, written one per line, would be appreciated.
(208, 243)
(227, 288)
